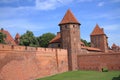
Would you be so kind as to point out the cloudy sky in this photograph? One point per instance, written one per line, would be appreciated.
(41, 16)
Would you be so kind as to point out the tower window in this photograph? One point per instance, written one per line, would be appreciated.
(58, 45)
(66, 26)
(73, 26)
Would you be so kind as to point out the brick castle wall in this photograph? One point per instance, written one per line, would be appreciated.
(29, 63)
(97, 61)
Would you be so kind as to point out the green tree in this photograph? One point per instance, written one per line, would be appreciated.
(2, 37)
(86, 43)
(28, 39)
(45, 39)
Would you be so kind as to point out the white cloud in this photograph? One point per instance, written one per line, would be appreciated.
(101, 4)
(7, 1)
(50, 4)
(111, 15)
(20, 25)
(112, 27)
(115, 1)
(39, 4)
(46, 4)
(85, 0)
(64, 2)
(113, 38)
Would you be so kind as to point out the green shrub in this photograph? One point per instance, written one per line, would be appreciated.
(104, 69)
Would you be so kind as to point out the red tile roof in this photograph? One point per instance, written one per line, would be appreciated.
(69, 18)
(82, 43)
(17, 36)
(57, 39)
(8, 39)
(91, 48)
(114, 45)
(97, 30)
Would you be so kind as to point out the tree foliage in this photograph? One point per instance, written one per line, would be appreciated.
(2, 37)
(28, 39)
(86, 43)
(45, 39)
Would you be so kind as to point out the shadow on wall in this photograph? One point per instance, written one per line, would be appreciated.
(116, 78)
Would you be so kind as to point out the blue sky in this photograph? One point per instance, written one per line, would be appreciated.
(41, 16)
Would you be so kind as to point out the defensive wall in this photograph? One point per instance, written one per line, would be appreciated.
(29, 63)
(97, 61)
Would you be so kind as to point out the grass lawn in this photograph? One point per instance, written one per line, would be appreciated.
(84, 75)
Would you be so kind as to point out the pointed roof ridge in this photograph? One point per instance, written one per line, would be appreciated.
(17, 36)
(69, 18)
(97, 30)
(114, 45)
(9, 39)
(56, 39)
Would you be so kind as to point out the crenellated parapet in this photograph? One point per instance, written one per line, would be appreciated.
(4, 47)
(31, 63)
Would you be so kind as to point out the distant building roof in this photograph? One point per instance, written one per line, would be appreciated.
(56, 39)
(97, 30)
(114, 45)
(82, 43)
(91, 48)
(8, 39)
(17, 36)
(69, 18)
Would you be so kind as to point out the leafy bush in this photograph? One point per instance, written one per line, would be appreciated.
(104, 69)
(116, 78)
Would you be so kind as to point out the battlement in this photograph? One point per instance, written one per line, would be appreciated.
(31, 61)
(4, 47)
(17, 48)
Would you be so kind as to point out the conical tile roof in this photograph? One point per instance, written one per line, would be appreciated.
(69, 18)
(17, 36)
(97, 30)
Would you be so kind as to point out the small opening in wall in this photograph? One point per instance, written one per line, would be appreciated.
(58, 45)
(12, 46)
(36, 48)
(66, 26)
(62, 62)
(2, 46)
(25, 47)
(73, 26)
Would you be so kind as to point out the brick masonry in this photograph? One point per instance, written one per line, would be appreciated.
(98, 61)
(28, 63)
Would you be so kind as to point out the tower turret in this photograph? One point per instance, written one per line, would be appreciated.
(99, 39)
(70, 38)
(17, 39)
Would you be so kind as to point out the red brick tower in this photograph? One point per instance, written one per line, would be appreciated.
(70, 38)
(99, 39)
(17, 39)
